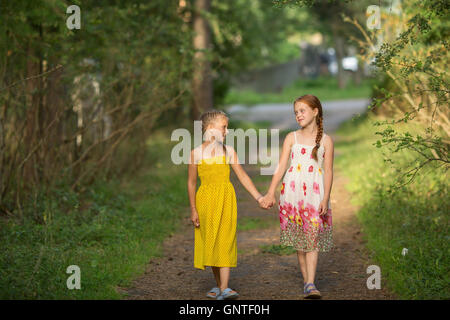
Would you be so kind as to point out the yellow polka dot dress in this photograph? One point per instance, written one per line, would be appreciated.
(215, 239)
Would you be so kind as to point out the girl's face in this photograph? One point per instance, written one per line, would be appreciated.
(218, 128)
(304, 114)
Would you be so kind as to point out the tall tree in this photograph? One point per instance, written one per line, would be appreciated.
(202, 87)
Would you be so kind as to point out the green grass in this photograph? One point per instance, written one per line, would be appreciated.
(111, 232)
(280, 250)
(415, 217)
(325, 88)
(249, 223)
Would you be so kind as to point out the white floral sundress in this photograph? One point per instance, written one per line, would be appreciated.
(302, 190)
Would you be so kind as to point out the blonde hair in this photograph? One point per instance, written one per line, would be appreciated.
(209, 116)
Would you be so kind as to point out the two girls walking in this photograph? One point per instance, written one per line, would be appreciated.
(304, 206)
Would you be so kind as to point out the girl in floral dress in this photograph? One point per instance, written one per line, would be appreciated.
(304, 205)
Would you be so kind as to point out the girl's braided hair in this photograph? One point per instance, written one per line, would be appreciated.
(314, 103)
(208, 117)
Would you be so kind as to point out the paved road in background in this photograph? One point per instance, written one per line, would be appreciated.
(282, 117)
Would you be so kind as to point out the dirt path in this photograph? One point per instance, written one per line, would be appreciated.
(341, 273)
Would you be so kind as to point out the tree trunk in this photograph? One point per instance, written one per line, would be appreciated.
(358, 75)
(202, 88)
(32, 92)
(339, 47)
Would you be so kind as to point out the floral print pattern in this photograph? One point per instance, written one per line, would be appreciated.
(302, 227)
(292, 185)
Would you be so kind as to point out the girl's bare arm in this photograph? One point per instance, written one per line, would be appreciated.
(192, 187)
(243, 176)
(328, 167)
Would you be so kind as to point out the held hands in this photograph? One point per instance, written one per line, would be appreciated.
(267, 201)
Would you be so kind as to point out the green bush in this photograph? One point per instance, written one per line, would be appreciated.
(110, 231)
(415, 217)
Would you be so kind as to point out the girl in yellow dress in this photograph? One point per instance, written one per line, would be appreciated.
(213, 207)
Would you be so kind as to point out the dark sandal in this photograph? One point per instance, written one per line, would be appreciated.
(311, 291)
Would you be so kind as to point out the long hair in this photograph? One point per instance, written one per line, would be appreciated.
(314, 103)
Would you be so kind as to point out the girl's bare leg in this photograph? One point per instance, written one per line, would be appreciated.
(216, 272)
(311, 265)
(224, 277)
(301, 255)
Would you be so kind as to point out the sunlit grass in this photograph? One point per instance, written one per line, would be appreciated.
(415, 217)
(325, 88)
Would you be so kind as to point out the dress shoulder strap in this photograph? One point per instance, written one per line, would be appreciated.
(295, 136)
